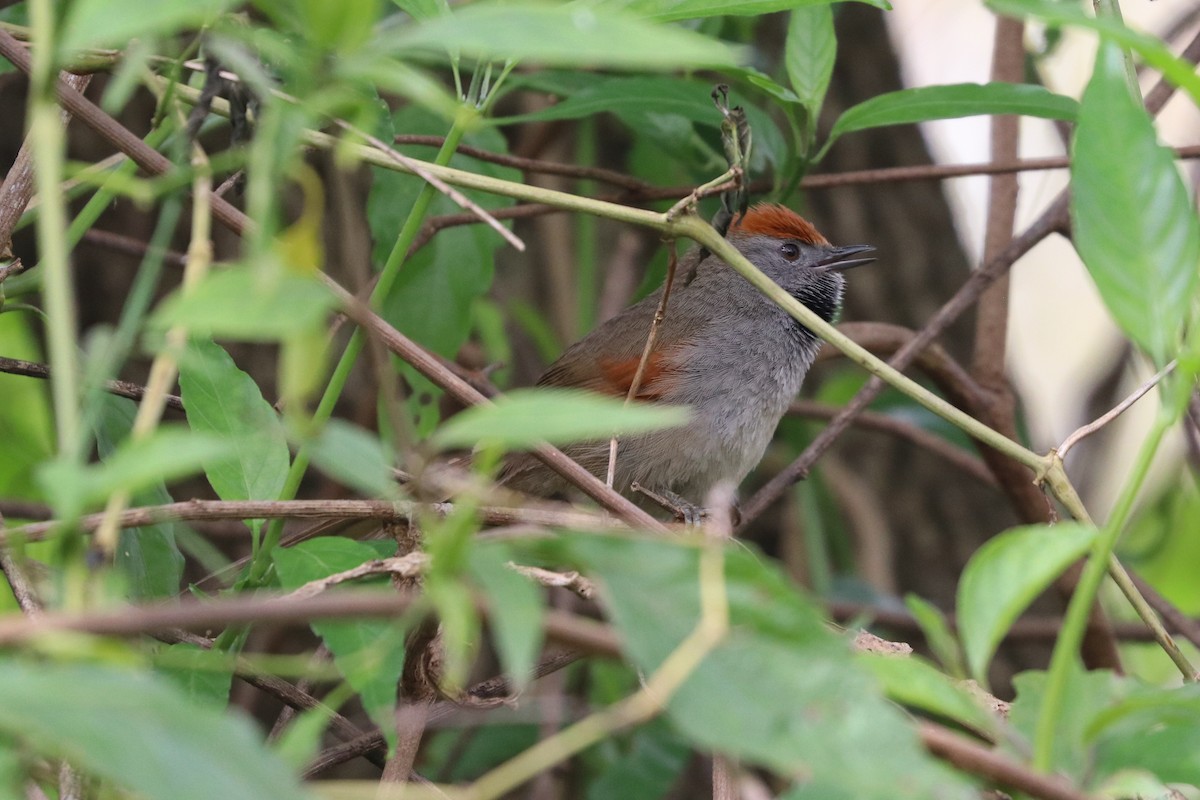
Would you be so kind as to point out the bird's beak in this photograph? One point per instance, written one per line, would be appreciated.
(842, 258)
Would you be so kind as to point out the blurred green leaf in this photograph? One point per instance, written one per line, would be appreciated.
(951, 102)
(669, 10)
(1163, 544)
(516, 604)
(353, 456)
(246, 304)
(204, 675)
(1087, 695)
(653, 763)
(370, 653)
(139, 731)
(1134, 224)
(938, 636)
(647, 103)
(224, 401)
(1003, 578)
(804, 706)
(112, 23)
(170, 452)
(26, 425)
(809, 53)
(525, 417)
(913, 682)
(1151, 729)
(147, 556)
(1054, 12)
(423, 9)
(563, 35)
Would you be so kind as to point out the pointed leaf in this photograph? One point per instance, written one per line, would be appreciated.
(951, 102)
(1134, 224)
(525, 417)
(809, 53)
(564, 35)
(224, 401)
(1003, 578)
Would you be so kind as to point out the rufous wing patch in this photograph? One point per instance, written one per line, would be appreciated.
(618, 375)
(780, 222)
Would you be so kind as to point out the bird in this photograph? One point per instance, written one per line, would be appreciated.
(723, 349)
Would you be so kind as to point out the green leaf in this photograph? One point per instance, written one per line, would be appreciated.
(913, 682)
(204, 675)
(653, 764)
(564, 35)
(1152, 729)
(251, 305)
(112, 23)
(526, 417)
(224, 401)
(1087, 695)
(951, 102)
(809, 54)
(1134, 224)
(170, 452)
(1003, 578)
(670, 10)
(353, 456)
(148, 556)
(138, 731)
(648, 105)
(803, 705)
(938, 636)
(423, 9)
(516, 604)
(26, 424)
(1180, 72)
(370, 654)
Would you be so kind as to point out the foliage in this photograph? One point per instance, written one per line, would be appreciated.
(722, 653)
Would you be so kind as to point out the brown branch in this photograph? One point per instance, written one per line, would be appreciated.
(585, 635)
(976, 759)
(493, 689)
(31, 369)
(17, 188)
(543, 514)
(128, 245)
(931, 442)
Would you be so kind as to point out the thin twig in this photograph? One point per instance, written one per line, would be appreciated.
(571, 581)
(635, 385)
(541, 515)
(987, 763)
(573, 631)
(405, 566)
(31, 369)
(959, 458)
(1084, 431)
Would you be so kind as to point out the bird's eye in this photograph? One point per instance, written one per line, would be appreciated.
(789, 250)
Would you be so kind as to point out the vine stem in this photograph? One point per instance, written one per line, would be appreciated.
(48, 139)
(1099, 561)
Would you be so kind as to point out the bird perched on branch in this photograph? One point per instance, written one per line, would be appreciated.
(723, 349)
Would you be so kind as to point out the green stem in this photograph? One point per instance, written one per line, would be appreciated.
(49, 145)
(1066, 649)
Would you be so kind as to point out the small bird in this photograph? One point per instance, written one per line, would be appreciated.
(723, 349)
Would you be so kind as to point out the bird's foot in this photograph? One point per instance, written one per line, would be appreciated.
(684, 510)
